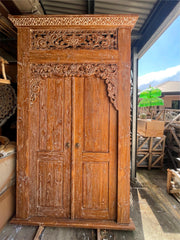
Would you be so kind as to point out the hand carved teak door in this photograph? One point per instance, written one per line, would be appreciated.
(73, 124)
(90, 191)
(50, 154)
(95, 150)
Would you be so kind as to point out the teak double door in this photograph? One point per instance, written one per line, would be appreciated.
(73, 120)
(73, 156)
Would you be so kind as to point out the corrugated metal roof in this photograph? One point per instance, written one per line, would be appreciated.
(142, 8)
(64, 7)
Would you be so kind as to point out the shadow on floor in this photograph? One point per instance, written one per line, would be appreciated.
(164, 207)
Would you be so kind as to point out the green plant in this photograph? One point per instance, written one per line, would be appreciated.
(150, 97)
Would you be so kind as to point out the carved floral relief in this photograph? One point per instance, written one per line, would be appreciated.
(106, 72)
(68, 39)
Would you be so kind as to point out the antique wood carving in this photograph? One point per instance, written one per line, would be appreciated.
(64, 39)
(73, 149)
(106, 72)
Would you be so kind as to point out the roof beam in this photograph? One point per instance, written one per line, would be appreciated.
(3, 10)
(11, 7)
(164, 13)
(42, 6)
(10, 46)
(91, 5)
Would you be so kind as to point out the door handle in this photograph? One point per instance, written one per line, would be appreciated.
(77, 145)
(67, 145)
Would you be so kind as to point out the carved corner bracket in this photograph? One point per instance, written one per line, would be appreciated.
(106, 72)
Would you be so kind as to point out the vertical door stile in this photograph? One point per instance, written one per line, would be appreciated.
(78, 139)
(72, 149)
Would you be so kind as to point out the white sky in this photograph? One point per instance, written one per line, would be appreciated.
(157, 76)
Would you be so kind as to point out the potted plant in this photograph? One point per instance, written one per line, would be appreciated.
(148, 127)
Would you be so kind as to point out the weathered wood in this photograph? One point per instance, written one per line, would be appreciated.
(172, 121)
(123, 185)
(145, 156)
(22, 165)
(5, 80)
(139, 148)
(173, 183)
(172, 158)
(98, 234)
(89, 224)
(175, 137)
(150, 149)
(38, 233)
(76, 80)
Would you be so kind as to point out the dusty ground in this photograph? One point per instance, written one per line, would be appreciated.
(155, 213)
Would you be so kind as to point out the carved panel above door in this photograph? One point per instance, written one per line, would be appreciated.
(73, 39)
(106, 72)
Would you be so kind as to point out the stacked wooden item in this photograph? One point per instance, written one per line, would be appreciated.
(171, 117)
(7, 180)
(172, 131)
(150, 143)
(173, 183)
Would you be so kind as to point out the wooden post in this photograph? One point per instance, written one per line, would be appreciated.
(123, 188)
(38, 233)
(98, 234)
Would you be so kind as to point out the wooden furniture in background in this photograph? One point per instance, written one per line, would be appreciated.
(150, 151)
(150, 127)
(173, 183)
(4, 80)
(73, 155)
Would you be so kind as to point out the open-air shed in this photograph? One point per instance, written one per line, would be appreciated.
(154, 18)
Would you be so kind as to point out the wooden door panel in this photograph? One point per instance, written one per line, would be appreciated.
(95, 182)
(51, 157)
(50, 184)
(96, 116)
(51, 115)
(95, 129)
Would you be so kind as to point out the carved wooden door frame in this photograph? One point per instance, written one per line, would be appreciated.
(118, 92)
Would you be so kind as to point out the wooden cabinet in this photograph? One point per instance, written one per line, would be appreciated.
(73, 149)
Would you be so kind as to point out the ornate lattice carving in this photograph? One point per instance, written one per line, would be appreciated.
(106, 72)
(63, 39)
(116, 20)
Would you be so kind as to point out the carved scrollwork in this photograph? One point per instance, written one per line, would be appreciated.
(34, 89)
(106, 72)
(66, 39)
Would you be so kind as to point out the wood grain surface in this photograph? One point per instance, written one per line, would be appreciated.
(73, 161)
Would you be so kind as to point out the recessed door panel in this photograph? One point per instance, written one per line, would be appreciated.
(51, 102)
(51, 148)
(95, 178)
(95, 150)
(96, 116)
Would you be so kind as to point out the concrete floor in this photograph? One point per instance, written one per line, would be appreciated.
(155, 213)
